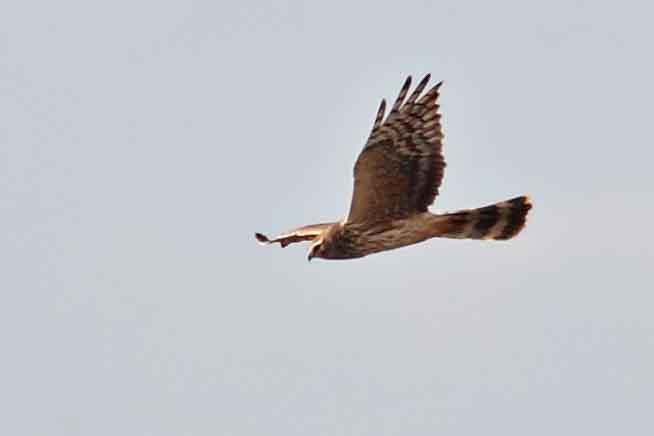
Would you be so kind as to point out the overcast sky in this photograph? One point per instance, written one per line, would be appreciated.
(143, 143)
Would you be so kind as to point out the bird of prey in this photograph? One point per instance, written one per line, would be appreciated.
(396, 177)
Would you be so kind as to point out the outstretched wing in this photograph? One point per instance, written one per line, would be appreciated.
(305, 233)
(401, 167)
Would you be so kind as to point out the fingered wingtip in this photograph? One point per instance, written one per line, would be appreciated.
(263, 239)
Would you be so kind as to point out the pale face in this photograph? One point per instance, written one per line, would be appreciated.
(316, 249)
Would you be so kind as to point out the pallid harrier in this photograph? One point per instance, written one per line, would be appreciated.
(396, 177)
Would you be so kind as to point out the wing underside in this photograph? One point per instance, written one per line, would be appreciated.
(304, 233)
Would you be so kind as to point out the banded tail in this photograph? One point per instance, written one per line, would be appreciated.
(499, 221)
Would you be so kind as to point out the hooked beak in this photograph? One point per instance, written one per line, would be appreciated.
(309, 257)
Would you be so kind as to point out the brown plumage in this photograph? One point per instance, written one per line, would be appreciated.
(396, 178)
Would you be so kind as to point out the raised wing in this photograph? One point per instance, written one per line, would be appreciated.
(305, 233)
(401, 167)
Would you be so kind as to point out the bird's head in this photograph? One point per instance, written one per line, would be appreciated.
(317, 248)
(330, 245)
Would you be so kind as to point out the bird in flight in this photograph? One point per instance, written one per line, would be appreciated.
(396, 177)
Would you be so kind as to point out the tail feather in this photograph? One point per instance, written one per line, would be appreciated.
(499, 221)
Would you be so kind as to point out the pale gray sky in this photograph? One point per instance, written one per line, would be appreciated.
(142, 144)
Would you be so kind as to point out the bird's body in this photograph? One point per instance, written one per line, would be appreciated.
(349, 241)
(396, 178)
